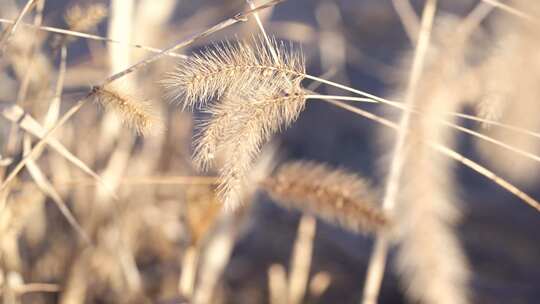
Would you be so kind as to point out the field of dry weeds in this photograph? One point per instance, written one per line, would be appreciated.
(269, 151)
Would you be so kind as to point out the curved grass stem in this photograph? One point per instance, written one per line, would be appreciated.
(240, 17)
(508, 186)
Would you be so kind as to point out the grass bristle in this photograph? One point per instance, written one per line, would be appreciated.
(136, 114)
(238, 126)
(335, 195)
(255, 94)
(92, 213)
(242, 66)
(79, 18)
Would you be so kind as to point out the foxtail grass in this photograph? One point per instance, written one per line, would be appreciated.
(335, 195)
(134, 113)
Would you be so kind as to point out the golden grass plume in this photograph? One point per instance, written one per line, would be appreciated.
(427, 210)
(256, 92)
(79, 18)
(237, 67)
(238, 128)
(134, 113)
(510, 77)
(335, 195)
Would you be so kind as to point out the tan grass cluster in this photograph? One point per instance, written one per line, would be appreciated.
(235, 68)
(138, 240)
(149, 238)
(134, 113)
(430, 258)
(257, 92)
(245, 123)
(510, 75)
(335, 195)
(245, 118)
(79, 18)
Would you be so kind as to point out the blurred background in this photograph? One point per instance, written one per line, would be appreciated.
(144, 245)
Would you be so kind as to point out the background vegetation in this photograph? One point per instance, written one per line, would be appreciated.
(104, 198)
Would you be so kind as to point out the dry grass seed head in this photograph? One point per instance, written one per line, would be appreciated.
(134, 113)
(238, 127)
(243, 115)
(510, 77)
(240, 66)
(80, 18)
(21, 54)
(258, 94)
(335, 195)
(426, 210)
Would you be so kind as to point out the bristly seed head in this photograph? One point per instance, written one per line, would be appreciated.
(80, 18)
(337, 196)
(134, 113)
(256, 89)
(238, 127)
(243, 66)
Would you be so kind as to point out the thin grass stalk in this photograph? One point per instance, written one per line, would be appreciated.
(408, 18)
(375, 271)
(338, 97)
(301, 259)
(473, 20)
(25, 83)
(30, 125)
(152, 180)
(476, 17)
(263, 31)
(477, 134)
(498, 124)
(10, 30)
(494, 141)
(459, 128)
(120, 24)
(40, 144)
(119, 57)
(37, 287)
(319, 284)
(470, 23)
(79, 34)
(214, 259)
(240, 17)
(79, 104)
(509, 9)
(54, 108)
(277, 284)
(503, 183)
(407, 108)
(49, 190)
(186, 283)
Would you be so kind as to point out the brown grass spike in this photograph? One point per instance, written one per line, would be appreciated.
(134, 113)
(335, 195)
(242, 66)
